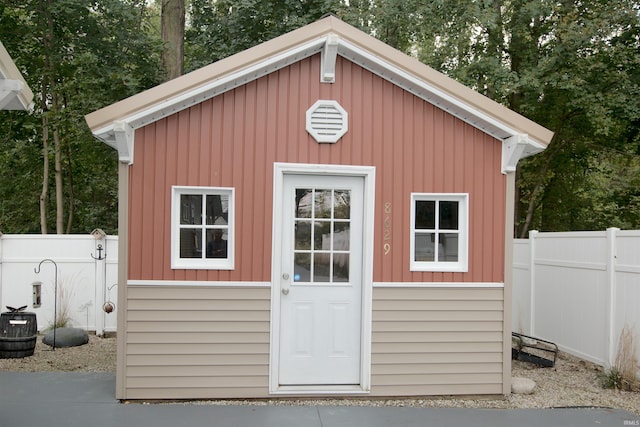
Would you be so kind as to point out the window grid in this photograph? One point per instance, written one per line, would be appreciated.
(317, 221)
(439, 230)
(202, 228)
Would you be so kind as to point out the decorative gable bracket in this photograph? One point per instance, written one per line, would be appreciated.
(9, 91)
(123, 133)
(513, 149)
(328, 59)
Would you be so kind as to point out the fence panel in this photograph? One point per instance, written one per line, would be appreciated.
(626, 292)
(579, 289)
(81, 282)
(521, 315)
(569, 291)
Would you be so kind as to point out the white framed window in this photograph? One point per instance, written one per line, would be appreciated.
(202, 228)
(439, 232)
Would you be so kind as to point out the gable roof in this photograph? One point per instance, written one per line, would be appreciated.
(14, 91)
(329, 36)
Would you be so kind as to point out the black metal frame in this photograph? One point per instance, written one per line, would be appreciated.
(522, 341)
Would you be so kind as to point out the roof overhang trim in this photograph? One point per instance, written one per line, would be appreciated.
(15, 94)
(200, 94)
(11, 95)
(513, 149)
(119, 134)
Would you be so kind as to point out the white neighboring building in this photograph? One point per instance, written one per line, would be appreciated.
(14, 91)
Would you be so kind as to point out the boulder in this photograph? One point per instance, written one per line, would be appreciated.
(67, 337)
(521, 385)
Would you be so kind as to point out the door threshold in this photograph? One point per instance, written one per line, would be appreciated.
(320, 389)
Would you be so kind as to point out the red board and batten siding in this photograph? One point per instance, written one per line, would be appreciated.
(234, 139)
(206, 342)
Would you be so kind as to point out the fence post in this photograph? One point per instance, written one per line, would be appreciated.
(611, 294)
(1, 259)
(532, 280)
(100, 271)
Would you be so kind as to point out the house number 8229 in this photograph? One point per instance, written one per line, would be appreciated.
(387, 228)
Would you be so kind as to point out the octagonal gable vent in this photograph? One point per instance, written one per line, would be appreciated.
(327, 121)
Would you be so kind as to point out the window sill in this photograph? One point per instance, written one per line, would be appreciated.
(439, 267)
(202, 265)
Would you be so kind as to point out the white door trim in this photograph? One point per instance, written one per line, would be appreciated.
(279, 172)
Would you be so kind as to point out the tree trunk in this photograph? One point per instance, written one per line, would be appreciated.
(48, 87)
(556, 145)
(58, 179)
(495, 44)
(45, 167)
(70, 191)
(172, 23)
(49, 43)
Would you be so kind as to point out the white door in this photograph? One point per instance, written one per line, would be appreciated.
(321, 280)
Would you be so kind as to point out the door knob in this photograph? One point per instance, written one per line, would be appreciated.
(285, 291)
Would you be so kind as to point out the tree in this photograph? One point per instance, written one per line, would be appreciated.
(220, 28)
(586, 90)
(172, 23)
(78, 57)
(570, 66)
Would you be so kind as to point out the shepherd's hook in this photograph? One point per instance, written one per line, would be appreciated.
(55, 295)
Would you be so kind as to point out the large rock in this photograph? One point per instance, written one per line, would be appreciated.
(521, 385)
(67, 337)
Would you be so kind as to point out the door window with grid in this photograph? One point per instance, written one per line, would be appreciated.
(322, 221)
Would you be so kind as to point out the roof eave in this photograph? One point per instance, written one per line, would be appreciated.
(15, 93)
(210, 75)
(327, 34)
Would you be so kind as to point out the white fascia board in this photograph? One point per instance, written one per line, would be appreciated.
(330, 45)
(224, 84)
(214, 88)
(433, 95)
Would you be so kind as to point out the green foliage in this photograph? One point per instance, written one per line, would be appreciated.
(220, 28)
(571, 66)
(623, 374)
(20, 176)
(612, 379)
(76, 56)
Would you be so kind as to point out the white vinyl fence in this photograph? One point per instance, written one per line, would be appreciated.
(86, 277)
(578, 289)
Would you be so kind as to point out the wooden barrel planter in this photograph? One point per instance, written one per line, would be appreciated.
(18, 334)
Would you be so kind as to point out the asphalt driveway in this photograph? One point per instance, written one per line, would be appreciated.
(56, 399)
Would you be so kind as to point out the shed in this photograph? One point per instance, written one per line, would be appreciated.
(318, 215)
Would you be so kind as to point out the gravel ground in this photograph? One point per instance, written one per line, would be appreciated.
(99, 355)
(571, 383)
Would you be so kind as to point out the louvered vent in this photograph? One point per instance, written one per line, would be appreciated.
(327, 121)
